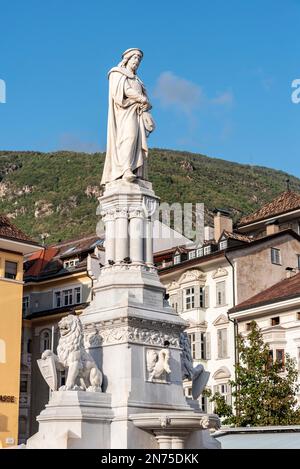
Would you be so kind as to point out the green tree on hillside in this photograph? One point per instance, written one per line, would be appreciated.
(264, 391)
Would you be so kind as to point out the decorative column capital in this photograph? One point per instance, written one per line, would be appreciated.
(136, 213)
(121, 213)
(108, 215)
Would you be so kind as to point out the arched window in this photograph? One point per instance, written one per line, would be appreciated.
(2, 351)
(45, 341)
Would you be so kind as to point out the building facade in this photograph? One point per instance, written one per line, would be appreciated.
(276, 311)
(13, 245)
(205, 282)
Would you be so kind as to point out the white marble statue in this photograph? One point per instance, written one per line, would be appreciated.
(197, 375)
(82, 371)
(129, 122)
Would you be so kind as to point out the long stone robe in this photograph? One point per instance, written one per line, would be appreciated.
(126, 134)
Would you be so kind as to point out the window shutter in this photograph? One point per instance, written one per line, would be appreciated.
(224, 342)
(223, 293)
(206, 296)
(220, 293)
(198, 345)
(207, 346)
(180, 301)
(219, 343)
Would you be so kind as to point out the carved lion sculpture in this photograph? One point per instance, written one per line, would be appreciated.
(158, 363)
(83, 373)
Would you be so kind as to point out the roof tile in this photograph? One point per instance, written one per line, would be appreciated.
(285, 202)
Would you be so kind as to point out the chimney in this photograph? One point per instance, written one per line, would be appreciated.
(272, 227)
(290, 272)
(222, 221)
(208, 233)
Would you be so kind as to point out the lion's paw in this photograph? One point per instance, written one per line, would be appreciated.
(94, 389)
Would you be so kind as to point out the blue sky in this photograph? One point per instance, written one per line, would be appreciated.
(218, 74)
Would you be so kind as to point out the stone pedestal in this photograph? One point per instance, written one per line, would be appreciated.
(74, 420)
(133, 327)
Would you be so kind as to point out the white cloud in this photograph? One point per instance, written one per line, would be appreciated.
(186, 96)
(223, 99)
(72, 142)
(177, 92)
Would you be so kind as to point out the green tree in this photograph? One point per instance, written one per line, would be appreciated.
(264, 391)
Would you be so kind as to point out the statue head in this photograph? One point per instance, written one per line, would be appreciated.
(131, 59)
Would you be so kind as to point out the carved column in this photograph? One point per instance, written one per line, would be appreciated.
(121, 235)
(136, 235)
(164, 441)
(109, 221)
(178, 441)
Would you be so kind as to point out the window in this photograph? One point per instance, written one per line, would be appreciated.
(11, 269)
(203, 403)
(298, 316)
(177, 259)
(220, 293)
(189, 392)
(189, 298)
(71, 263)
(202, 346)
(198, 345)
(192, 254)
(192, 338)
(248, 326)
(298, 261)
(224, 390)
(275, 321)
(45, 341)
(25, 304)
(280, 357)
(62, 378)
(67, 297)
(222, 343)
(207, 250)
(70, 296)
(201, 297)
(57, 301)
(275, 256)
(223, 245)
(199, 252)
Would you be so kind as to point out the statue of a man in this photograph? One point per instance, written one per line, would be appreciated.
(129, 122)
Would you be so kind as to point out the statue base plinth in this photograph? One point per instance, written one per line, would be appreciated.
(74, 420)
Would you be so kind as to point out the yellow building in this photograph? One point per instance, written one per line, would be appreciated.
(13, 245)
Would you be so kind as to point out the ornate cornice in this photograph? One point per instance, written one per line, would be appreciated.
(131, 330)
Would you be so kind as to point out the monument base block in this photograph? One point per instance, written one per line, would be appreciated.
(74, 420)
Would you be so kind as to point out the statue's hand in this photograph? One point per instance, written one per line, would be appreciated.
(144, 100)
(46, 354)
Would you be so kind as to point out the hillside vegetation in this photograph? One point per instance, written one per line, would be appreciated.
(56, 193)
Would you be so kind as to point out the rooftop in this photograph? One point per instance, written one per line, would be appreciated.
(10, 231)
(283, 203)
(287, 288)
